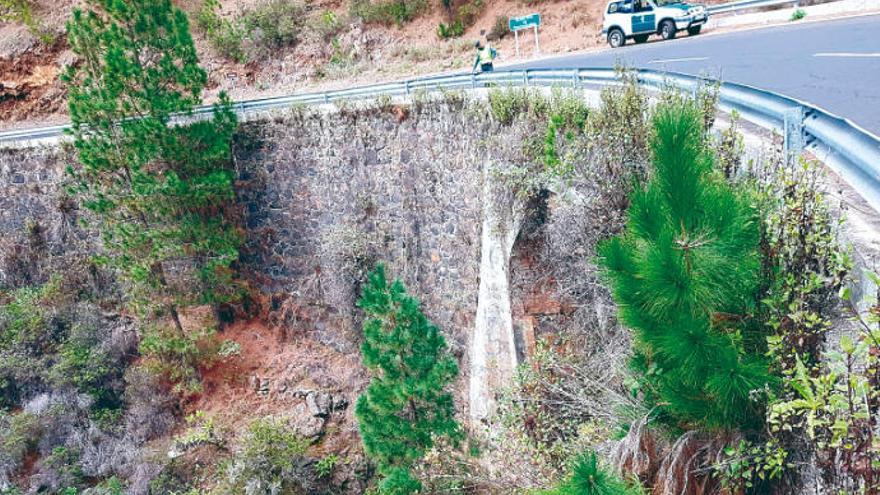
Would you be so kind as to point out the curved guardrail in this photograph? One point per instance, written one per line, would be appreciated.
(850, 150)
(747, 4)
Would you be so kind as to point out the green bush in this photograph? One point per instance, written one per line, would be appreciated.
(177, 356)
(468, 12)
(326, 24)
(19, 434)
(388, 12)
(798, 15)
(270, 460)
(453, 30)
(500, 28)
(28, 340)
(508, 104)
(685, 275)
(275, 23)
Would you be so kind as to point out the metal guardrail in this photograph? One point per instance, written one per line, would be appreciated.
(747, 4)
(850, 150)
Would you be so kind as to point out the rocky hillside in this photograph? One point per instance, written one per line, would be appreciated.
(318, 43)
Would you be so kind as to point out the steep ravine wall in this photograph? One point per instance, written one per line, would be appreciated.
(324, 196)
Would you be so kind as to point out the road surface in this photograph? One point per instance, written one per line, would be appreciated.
(832, 64)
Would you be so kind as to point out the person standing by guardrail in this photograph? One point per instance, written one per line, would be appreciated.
(485, 57)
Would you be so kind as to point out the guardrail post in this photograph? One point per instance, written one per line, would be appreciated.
(526, 77)
(326, 98)
(575, 79)
(793, 133)
(473, 81)
(406, 86)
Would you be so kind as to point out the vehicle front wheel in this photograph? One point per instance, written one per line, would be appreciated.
(616, 38)
(641, 38)
(667, 30)
(695, 30)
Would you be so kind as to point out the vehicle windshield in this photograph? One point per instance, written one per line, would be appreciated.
(661, 3)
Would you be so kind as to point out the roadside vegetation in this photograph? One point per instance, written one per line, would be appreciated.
(22, 11)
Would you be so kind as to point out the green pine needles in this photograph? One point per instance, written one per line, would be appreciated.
(161, 193)
(589, 477)
(407, 403)
(685, 274)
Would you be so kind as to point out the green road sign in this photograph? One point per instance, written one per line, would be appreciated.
(526, 21)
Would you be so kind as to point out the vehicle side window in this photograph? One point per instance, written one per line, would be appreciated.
(625, 8)
(613, 7)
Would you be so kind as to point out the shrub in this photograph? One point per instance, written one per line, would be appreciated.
(275, 24)
(500, 28)
(270, 460)
(21, 433)
(508, 104)
(177, 355)
(407, 404)
(453, 30)
(225, 36)
(388, 12)
(29, 336)
(327, 24)
(685, 275)
(326, 465)
(798, 15)
(468, 12)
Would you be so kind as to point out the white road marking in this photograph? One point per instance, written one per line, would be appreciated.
(847, 54)
(667, 60)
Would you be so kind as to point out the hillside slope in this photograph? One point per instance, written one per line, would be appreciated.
(332, 48)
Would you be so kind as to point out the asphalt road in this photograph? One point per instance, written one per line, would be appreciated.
(832, 64)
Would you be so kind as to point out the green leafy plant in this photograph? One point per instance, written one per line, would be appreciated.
(685, 274)
(749, 463)
(837, 405)
(407, 404)
(798, 15)
(326, 465)
(161, 193)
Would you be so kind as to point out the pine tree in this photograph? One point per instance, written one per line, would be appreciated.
(589, 477)
(407, 403)
(160, 189)
(685, 275)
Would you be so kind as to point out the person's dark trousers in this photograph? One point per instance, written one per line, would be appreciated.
(487, 68)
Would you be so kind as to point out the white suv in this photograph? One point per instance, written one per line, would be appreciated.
(638, 19)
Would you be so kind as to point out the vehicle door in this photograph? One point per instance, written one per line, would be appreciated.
(618, 14)
(644, 20)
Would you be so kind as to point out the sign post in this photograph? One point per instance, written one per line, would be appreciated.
(524, 22)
